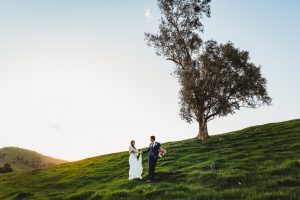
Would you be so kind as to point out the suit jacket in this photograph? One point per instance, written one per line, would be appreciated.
(154, 151)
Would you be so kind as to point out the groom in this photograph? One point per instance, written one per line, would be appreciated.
(153, 156)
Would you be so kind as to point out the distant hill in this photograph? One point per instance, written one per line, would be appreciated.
(256, 163)
(23, 159)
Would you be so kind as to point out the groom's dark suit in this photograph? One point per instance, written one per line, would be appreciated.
(153, 156)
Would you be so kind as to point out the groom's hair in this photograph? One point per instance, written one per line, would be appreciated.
(152, 137)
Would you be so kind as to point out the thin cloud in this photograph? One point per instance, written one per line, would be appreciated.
(54, 126)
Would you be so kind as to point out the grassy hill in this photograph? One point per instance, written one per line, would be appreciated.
(261, 162)
(23, 159)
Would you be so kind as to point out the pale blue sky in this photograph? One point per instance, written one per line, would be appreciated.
(77, 78)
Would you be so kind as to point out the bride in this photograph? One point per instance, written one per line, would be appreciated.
(135, 162)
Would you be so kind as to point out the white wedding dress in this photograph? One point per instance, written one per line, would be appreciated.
(135, 164)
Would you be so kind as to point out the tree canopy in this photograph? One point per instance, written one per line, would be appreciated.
(215, 79)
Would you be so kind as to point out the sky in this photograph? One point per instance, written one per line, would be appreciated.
(77, 79)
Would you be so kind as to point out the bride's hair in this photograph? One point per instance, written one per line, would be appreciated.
(131, 143)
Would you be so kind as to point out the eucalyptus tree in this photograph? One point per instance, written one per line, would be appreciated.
(215, 79)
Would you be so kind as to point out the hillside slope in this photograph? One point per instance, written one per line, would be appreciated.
(261, 162)
(23, 159)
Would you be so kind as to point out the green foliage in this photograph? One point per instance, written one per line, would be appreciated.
(215, 79)
(260, 162)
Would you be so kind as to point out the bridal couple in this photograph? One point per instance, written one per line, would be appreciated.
(135, 159)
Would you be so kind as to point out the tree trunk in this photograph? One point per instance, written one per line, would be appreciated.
(203, 132)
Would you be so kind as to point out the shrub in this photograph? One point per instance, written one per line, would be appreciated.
(6, 168)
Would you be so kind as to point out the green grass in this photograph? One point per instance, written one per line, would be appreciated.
(9, 155)
(261, 162)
